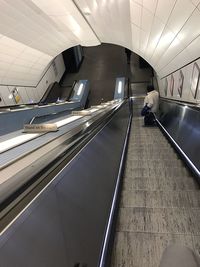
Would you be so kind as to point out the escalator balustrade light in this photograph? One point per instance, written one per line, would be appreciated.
(119, 90)
(85, 112)
(67, 120)
(16, 141)
(80, 89)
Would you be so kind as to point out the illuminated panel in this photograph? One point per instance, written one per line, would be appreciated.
(119, 87)
(80, 89)
(65, 121)
(18, 140)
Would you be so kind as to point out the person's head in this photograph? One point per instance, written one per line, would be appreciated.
(150, 88)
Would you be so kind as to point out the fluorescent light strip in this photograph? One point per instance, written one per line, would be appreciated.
(67, 120)
(10, 143)
(119, 87)
(93, 110)
(80, 89)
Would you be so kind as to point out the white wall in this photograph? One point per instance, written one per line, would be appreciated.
(32, 94)
(189, 82)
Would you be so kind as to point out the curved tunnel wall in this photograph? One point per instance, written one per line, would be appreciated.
(164, 33)
(183, 84)
(16, 95)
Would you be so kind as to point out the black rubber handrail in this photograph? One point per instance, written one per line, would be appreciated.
(182, 103)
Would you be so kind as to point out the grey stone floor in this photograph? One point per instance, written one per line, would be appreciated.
(160, 201)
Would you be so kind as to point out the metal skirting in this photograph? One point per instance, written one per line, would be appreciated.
(182, 125)
(66, 224)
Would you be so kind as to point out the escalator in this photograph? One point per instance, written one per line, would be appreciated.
(160, 200)
(58, 210)
(64, 216)
(57, 93)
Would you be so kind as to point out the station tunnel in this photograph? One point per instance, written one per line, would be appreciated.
(91, 173)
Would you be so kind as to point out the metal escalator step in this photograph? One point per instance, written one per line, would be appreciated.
(159, 220)
(153, 150)
(160, 183)
(160, 199)
(148, 139)
(149, 145)
(145, 249)
(149, 156)
(156, 172)
(152, 164)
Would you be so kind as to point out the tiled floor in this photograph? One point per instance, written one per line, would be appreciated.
(101, 66)
(160, 201)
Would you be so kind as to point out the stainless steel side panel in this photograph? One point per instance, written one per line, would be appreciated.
(183, 124)
(66, 224)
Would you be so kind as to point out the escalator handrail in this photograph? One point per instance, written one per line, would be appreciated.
(182, 103)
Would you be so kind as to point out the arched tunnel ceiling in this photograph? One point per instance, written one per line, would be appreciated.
(32, 32)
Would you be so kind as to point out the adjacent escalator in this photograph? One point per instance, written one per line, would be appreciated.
(56, 93)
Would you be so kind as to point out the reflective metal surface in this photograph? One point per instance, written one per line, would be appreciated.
(16, 119)
(66, 223)
(183, 125)
(41, 156)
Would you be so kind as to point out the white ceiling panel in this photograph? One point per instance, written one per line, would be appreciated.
(193, 49)
(195, 2)
(166, 39)
(180, 60)
(150, 5)
(144, 37)
(174, 49)
(33, 32)
(155, 35)
(164, 9)
(136, 13)
(180, 14)
(190, 30)
(147, 20)
(136, 38)
(139, 1)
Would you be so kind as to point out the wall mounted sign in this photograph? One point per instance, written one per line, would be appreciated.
(195, 79)
(180, 83)
(171, 87)
(165, 86)
(16, 95)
